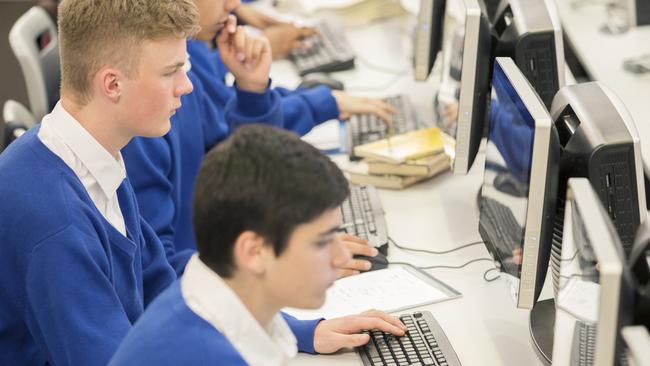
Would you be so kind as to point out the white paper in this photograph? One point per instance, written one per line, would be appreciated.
(580, 298)
(326, 136)
(391, 289)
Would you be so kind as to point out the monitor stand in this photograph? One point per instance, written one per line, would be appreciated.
(542, 325)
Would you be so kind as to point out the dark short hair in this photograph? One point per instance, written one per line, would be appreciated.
(265, 180)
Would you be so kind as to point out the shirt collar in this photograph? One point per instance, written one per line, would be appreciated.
(108, 171)
(209, 296)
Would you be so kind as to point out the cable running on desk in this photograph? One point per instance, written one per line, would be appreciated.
(485, 278)
(435, 252)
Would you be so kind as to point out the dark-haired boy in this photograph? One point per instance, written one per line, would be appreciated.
(267, 239)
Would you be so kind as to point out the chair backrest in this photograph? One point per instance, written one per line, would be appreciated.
(14, 111)
(16, 120)
(38, 59)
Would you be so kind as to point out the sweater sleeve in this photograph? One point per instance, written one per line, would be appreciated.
(250, 107)
(73, 310)
(149, 164)
(157, 274)
(306, 108)
(304, 332)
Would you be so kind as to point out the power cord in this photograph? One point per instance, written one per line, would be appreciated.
(485, 278)
(432, 251)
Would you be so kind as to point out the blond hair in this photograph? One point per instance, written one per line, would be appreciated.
(95, 33)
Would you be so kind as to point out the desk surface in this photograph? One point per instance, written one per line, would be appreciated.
(484, 326)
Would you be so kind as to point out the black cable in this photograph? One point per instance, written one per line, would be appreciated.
(493, 278)
(432, 251)
(445, 252)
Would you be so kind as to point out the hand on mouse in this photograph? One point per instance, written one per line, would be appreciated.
(357, 246)
(349, 104)
(247, 57)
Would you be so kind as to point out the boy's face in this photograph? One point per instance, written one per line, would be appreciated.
(213, 15)
(153, 94)
(309, 265)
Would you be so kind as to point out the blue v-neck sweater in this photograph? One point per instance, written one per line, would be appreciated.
(71, 285)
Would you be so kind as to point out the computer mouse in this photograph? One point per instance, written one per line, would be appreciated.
(508, 184)
(377, 262)
(316, 79)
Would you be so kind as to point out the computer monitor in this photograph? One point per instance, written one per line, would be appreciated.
(600, 142)
(428, 37)
(638, 12)
(637, 343)
(529, 32)
(596, 292)
(518, 196)
(461, 102)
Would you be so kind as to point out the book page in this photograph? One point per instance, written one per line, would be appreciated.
(391, 289)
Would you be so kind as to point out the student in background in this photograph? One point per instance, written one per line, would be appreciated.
(303, 109)
(163, 170)
(266, 241)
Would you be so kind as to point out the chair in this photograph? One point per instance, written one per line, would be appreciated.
(39, 63)
(16, 112)
(16, 120)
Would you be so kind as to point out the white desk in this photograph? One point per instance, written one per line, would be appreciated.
(602, 57)
(484, 326)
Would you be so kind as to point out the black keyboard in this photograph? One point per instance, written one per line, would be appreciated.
(329, 52)
(424, 344)
(584, 344)
(365, 127)
(501, 226)
(363, 215)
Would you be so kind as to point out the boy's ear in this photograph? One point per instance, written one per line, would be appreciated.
(109, 83)
(251, 253)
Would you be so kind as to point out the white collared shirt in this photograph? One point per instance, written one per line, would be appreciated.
(207, 295)
(100, 173)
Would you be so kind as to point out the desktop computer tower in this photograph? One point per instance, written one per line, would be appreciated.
(529, 32)
(600, 142)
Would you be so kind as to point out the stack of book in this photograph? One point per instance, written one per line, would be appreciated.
(401, 160)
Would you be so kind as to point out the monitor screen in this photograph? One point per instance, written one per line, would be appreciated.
(518, 196)
(506, 181)
(594, 295)
(461, 100)
(428, 37)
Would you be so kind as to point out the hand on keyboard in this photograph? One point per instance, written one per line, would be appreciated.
(346, 332)
(247, 57)
(285, 37)
(357, 246)
(349, 105)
